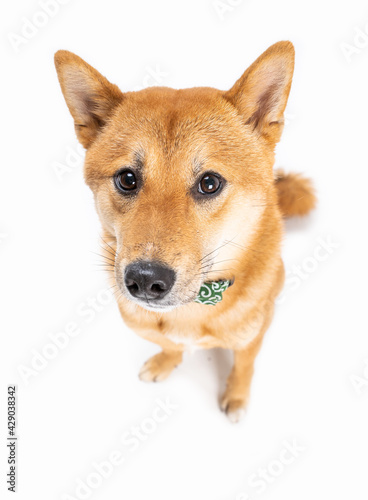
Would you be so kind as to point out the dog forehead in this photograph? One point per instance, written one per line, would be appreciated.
(168, 113)
(177, 122)
(166, 98)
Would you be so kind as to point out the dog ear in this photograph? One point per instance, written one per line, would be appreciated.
(89, 96)
(261, 94)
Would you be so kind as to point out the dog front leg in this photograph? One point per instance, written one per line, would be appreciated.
(237, 391)
(160, 366)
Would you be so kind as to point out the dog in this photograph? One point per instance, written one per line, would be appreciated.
(191, 209)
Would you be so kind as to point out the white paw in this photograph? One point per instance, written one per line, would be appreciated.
(235, 415)
(234, 408)
(159, 367)
(151, 373)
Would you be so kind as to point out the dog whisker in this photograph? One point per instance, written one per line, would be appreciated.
(108, 251)
(108, 245)
(103, 256)
(225, 260)
(227, 242)
(205, 273)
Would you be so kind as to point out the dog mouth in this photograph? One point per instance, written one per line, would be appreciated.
(154, 285)
(162, 305)
(149, 306)
(209, 293)
(157, 287)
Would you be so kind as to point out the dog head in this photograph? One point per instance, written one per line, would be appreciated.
(181, 178)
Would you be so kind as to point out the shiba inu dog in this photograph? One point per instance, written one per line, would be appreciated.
(184, 186)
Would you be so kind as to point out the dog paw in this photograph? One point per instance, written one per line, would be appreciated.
(160, 366)
(234, 408)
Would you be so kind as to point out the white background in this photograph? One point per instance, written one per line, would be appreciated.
(74, 410)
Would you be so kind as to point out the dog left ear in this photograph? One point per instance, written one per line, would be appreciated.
(90, 97)
(261, 94)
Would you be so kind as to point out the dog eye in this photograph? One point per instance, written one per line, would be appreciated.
(209, 184)
(125, 180)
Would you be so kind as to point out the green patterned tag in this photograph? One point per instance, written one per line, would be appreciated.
(211, 293)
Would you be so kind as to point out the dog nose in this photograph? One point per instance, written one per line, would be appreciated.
(149, 280)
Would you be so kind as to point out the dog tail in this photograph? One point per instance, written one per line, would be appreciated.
(295, 193)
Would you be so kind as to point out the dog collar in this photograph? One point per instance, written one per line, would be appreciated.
(211, 292)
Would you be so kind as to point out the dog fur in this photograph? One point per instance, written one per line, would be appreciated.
(170, 138)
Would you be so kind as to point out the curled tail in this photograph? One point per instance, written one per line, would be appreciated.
(295, 192)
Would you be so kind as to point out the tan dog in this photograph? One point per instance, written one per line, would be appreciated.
(184, 186)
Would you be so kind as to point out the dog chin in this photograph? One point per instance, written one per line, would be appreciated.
(163, 307)
(155, 307)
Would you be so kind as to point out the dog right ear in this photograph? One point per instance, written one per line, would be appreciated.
(90, 97)
(261, 94)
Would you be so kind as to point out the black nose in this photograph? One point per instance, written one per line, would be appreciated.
(149, 280)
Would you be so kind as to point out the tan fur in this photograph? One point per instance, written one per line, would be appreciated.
(172, 137)
(295, 194)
